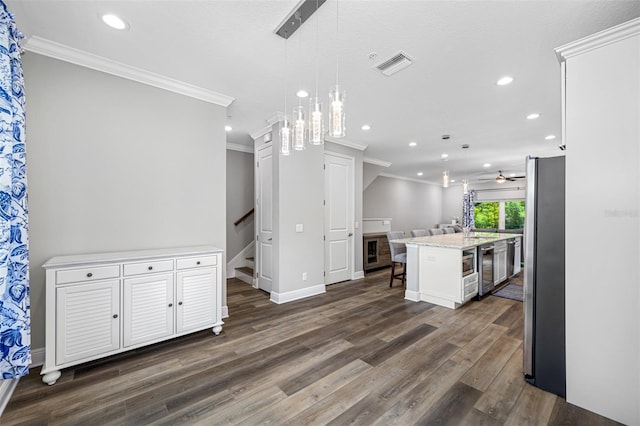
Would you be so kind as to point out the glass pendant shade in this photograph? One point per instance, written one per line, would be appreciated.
(299, 128)
(445, 179)
(316, 122)
(337, 116)
(285, 137)
(465, 186)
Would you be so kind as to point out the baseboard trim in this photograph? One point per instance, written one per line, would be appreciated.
(411, 295)
(290, 296)
(6, 390)
(358, 275)
(225, 312)
(37, 357)
(239, 259)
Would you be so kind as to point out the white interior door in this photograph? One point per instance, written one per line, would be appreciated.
(264, 204)
(338, 218)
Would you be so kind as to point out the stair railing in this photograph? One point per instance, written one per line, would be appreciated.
(243, 218)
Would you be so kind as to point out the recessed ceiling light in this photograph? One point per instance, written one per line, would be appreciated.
(512, 175)
(420, 173)
(452, 181)
(366, 127)
(486, 165)
(302, 93)
(228, 128)
(412, 144)
(444, 155)
(504, 80)
(550, 137)
(533, 116)
(114, 21)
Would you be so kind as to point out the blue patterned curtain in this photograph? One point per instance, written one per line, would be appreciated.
(15, 321)
(468, 219)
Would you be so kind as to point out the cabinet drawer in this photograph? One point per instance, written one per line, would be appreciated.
(147, 267)
(87, 274)
(196, 262)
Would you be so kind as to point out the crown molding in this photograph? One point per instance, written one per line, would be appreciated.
(75, 56)
(260, 132)
(376, 162)
(599, 39)
(274, 118)
(426, 182)
(240, 148)
(344, 142)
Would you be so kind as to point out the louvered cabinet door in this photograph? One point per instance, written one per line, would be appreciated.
(196, 297)
(88, 320)
(147, 309)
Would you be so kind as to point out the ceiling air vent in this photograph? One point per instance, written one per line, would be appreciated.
(394, 64)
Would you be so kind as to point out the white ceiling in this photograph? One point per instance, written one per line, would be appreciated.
(461, 48)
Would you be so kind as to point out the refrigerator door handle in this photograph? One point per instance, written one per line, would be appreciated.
(529, 277)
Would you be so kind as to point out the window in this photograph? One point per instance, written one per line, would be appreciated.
(513, 214)
(499, 214)
(487, 214)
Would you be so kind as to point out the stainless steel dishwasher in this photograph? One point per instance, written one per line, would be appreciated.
(485, 263)
(511, 252)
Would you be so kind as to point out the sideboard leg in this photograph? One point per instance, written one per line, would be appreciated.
(51, 378)
(217, 329)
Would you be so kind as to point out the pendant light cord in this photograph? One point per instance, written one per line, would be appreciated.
(286, 75)
(337, 39)
(317, 48)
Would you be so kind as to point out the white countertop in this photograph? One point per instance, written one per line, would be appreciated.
(458, 240)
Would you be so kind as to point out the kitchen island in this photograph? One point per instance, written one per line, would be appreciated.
(435, 266)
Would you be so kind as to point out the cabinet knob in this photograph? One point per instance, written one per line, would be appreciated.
(150, 268)
(170, 304)
(198, 262)
(115, 316)
(180, 303)
(89, 275)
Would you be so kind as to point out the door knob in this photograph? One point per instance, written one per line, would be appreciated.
(351, 234)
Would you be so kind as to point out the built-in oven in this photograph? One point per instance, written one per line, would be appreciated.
(485, 269)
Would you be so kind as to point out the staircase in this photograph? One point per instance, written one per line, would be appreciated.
(246, 273)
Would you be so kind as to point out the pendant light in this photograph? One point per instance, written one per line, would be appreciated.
(465, 181)
(337, 116)
(316, 120)
(445, 179)
(285, 129)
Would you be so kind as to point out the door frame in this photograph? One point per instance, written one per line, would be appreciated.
(352, 208)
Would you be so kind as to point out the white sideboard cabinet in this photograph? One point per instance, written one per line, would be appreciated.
(102, 304)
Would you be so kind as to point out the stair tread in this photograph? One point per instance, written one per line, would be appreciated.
(245, 270)
(250, 258)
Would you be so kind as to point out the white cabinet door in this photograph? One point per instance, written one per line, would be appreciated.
(196, 297)
(500, 265)
(87, 320)
(147, 308)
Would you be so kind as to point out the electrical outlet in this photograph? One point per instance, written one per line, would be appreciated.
(304, 276)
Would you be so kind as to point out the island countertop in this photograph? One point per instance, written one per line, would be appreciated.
(458, 240)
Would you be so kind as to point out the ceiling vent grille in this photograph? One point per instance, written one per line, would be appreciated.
(397, 62)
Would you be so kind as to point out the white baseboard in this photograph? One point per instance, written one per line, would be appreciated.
(290, 296)
(6, 390)
(239, 259)
(225, 311)
(358, 275)
(411, 295)
(37, 357)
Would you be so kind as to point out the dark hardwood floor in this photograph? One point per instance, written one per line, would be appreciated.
(357, 354)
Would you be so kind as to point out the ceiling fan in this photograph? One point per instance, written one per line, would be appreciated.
(502, 178)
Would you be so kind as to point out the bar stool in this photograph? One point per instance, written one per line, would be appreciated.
(435, 231)
(419, 233)
(398, 255)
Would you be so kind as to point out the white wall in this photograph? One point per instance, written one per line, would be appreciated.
(240, 200)
(410, 204)
(603, 231)
(452, 203)
(116, 165)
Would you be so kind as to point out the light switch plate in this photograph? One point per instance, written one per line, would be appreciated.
(299, 227)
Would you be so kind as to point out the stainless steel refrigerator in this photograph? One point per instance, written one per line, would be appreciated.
(544, 301)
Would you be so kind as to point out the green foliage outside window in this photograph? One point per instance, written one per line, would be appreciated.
(514, 214)
(487, 214)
